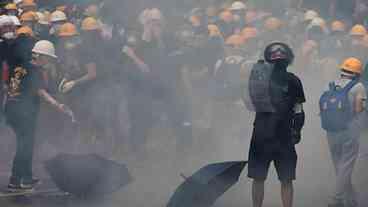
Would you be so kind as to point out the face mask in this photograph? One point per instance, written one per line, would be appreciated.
(9, 35)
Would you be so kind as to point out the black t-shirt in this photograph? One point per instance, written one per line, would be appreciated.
(271, 127)
(24, 83)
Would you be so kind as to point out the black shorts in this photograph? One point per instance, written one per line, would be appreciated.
(261, 156)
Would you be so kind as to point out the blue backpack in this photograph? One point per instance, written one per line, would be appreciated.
(335, 107)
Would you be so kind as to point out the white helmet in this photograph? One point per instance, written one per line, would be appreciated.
(15, 21)
(318, 22)
(310, 15)
(44, 47)
(238, 5)
(6, 20)
(42, 18)
(58, 16)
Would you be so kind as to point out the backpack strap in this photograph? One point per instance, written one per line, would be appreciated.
(332, 86)
(350, 85)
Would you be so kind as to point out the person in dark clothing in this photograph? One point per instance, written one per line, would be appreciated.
(25, 88)
(283, 123)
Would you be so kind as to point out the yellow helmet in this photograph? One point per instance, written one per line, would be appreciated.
(352, 65)
(25, 30)
(89, 24)
(213, 30)
(235, 40)
(358, 30)
(338, 26)
(11, 6)
(29, 16)
(28, 3)
(272, 23)
(67, 30)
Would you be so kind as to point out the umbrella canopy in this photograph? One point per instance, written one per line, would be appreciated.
(87, 175)
(204, 187)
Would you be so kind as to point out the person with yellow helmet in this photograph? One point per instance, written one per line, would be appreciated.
(356, 46)
(342, 110)
(11, 9)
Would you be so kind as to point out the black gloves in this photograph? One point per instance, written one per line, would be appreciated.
(297, 126)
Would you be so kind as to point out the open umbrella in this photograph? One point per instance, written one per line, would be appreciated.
(87, 175)
(204, 187)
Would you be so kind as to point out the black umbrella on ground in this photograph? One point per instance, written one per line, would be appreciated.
(204, 187)
(87, 175)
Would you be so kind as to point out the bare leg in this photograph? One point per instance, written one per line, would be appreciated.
(287, 193)
(258, 193)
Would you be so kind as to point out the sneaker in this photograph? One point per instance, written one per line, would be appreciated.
(14, 185)
(29, 184)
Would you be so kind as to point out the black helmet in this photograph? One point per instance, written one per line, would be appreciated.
(278, 51)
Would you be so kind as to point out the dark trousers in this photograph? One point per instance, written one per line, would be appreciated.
(23, 124)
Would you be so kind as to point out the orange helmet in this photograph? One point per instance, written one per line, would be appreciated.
(226, 16)
(89, 24)
(352, 65)
(25, 30)
(67, 30)
(235, 40)
(195, 20)
(338, 26)
(249, 32)
(28, 3)
(29, 16)
(358, 30)
(272, 23)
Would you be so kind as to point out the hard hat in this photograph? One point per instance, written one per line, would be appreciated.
(235, 40)
(91, 10)
(213, 30)
(310, 15)
(250, 16)
(44, 47)
(238, 5)
(278, 51)
(29, 16)
(15, 21)
(89, 24)
(195, 20)
(67, 30)
(28, 3)
(318, 22)
(11, 6)
(338, 26)
(6, 20)
(358, 30)
(249, 32)
(226, 16)
(352, 65)
(155, 14)
(25, 30)
(272, 23)
(61, 8)
(57, 16)
(42, 18)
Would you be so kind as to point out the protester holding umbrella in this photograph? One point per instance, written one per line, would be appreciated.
(25, 88)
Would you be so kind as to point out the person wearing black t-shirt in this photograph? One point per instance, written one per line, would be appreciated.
(283, 123)
(25, 88)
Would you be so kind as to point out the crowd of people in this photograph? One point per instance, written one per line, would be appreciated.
(85, 64)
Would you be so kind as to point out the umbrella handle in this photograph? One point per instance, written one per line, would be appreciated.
(183, 176)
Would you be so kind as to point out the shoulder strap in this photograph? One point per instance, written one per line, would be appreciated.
(350, 85)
